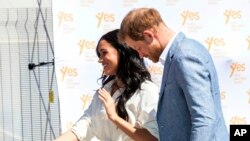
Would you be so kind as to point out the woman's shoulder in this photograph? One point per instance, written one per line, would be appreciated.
(149, 93)
(149, 86)
(148, 83)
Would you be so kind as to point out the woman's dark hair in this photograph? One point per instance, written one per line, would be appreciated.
(131, 71)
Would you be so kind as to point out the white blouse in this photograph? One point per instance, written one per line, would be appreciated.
(94, 125)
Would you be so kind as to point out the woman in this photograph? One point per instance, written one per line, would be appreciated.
(124, 109)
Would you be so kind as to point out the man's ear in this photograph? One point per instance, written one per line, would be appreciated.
(148, 36)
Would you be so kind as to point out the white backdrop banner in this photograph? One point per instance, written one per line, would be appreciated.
(221, 25)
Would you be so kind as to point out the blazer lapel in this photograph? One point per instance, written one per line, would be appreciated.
(165, 73)
(172, 51)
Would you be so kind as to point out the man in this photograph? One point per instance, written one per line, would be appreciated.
(189, 107)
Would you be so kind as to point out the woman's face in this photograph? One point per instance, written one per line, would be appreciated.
(109, 57)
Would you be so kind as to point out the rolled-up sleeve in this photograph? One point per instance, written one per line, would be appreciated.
(148, 107)
(82, 128)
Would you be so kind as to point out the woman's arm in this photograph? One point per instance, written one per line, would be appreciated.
(68, 136)
(137, 134)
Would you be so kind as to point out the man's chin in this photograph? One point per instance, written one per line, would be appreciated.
(154, 60)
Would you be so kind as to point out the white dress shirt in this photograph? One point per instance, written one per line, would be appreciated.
(166, 49)
(94, 125)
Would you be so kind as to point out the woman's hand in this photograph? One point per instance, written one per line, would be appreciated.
(138, 134)
(109, 103)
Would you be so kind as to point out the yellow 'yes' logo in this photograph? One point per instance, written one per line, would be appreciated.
(231, 14)
(238, 120)
(64, 17)
(210, 41)
(236, 67)
(104, 17)
(68, 71)
(86, 44)
(189, 15)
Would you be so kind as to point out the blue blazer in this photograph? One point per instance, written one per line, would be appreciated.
(189, 107)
